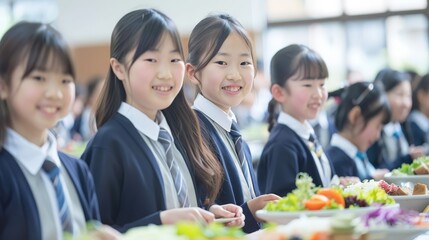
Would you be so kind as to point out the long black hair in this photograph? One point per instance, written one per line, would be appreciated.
(138, 32)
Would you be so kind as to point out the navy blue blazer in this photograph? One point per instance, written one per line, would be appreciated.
(231, 191)
(19, 217)
(343, 164)
(419, 135)
(126, 174)
(377, 158)
(283, 157)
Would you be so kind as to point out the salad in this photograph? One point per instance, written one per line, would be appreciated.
(307, 196)
(179, 231)
(420, 166)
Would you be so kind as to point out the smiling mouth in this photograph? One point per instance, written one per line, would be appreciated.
(232, 89)
(162, 88)
(49, 110)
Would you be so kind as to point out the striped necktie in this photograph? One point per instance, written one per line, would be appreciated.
(53, 173)
(179, 182)
(238, 144)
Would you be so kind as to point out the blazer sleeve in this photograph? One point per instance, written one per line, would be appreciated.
(88, 188)
(107, 167)
(278, 169)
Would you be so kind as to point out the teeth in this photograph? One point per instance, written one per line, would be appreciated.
(232, 89)
(162, 88)
(49, 109)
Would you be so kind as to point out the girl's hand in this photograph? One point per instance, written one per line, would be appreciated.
(345, 181)
(193, 214)
(379, 173)
(229, 211)
(105, 232)
(416, 152)
(260, 202)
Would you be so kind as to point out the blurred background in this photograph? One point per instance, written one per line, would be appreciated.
(356, 38)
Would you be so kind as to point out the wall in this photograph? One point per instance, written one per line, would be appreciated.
(87, 25)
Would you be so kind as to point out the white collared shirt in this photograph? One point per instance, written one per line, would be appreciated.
(304, 131)
(149, 131)
(420, 119)
(30, 161)
(391, 147)
(351, 150)
(222, 122)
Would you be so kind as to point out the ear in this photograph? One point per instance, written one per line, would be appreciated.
(354, 115)
(190, 71)
(118, 68)
(279, 93)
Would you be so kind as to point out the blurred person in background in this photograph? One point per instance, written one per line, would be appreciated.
(393, 148)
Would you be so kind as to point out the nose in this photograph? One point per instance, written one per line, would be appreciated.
(164, 72)
(233, 74)
(54, 91)
(318, 92)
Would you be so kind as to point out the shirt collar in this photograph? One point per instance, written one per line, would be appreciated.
(391, 128)
(344, 144)
(33, 156)
(303, 130)
(420, 119)
(214, 112)
(142, 122)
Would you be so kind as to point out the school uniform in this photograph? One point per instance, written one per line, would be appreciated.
(215, 126)
(391, 150)
(347, 160)
(28, 202)
(132, 180)
(419, 127)
(287, 153)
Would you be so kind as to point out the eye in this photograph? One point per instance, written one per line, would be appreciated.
(245, 63)
(223, 63)
(176, 60)
(67, 81)
(37, 78)
(151, 60)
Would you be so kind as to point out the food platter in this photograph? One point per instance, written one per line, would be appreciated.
(286, 217)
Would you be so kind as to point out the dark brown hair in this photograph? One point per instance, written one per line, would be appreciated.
(140, 31)
(289, 61)
(41, 47)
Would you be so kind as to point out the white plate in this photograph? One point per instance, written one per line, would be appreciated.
(397, 233)
(286, 217)
(399, 180)
(412, 202)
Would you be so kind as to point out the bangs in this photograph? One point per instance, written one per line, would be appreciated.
(48, 52)
(312, 67)
(152, 32)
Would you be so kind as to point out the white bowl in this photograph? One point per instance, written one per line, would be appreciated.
(400, 180)
(412, 202)
(286, 217)
(397, 233)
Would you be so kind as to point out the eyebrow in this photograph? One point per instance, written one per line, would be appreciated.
(227, 54)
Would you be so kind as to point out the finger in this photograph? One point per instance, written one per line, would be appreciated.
(221, 212)
(206, 216)
(237, 210)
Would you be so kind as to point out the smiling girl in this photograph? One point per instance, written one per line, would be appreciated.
(298, 76)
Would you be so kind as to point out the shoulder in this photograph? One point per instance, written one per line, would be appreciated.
(283, 135)
(335, 154)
